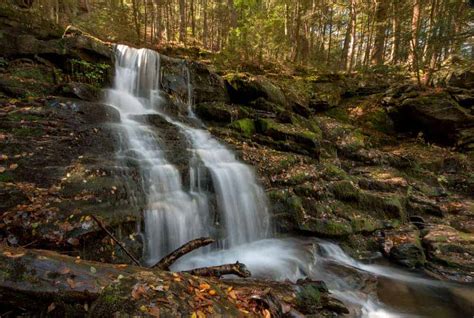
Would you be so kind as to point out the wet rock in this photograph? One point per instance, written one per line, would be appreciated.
(403, 246)
(450, 252)
(181, 78)
(207, 86)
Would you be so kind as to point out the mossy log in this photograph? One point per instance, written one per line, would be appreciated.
(45, 282)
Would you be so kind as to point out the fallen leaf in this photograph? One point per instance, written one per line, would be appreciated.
(93, 270)
(212, 292)
(137, 291)
(154, 311)
(51, 307)
(2, 169)
(204, 286)
(73, 241)
(13, 255)
(71, 283)
(232, 294)
(13, 166)
(266, 313)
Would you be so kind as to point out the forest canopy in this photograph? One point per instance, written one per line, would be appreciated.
(334, 35)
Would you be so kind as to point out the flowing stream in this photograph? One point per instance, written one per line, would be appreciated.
(176, 213)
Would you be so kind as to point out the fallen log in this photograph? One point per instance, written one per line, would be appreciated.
(169, 259)
(238, 269)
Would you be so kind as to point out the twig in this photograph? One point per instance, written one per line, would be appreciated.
(102, 226)
(169, 259)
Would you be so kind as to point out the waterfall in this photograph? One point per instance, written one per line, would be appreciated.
(175, 213)
(172, 216)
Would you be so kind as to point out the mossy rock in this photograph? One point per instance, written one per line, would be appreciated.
(385, 206)
(244, 88)
(245, 126)
(327, 227)
(294, 133)
(217, 112)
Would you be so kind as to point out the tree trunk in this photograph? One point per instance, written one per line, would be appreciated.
(352, 40)
(415, 24)
(182, 22)
(381, 26)
(394, 56)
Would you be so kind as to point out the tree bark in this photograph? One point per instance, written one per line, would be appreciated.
(238, 269)
(381, 26)
(169, 259)
(182, 21)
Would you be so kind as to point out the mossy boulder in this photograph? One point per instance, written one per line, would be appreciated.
(294, 133)
(385, 206)
(437, 115)
(450, 252)
(327, 227)
(244, 88)
(403, 246)
(245, 126)
(217, 112)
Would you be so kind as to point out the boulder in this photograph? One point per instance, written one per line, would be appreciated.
(403, 246)
(450, 252)
(244, 88)
(438, 116)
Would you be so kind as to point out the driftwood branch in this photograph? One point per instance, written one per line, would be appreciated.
(238, 269)
(169, 259)
(102, 226)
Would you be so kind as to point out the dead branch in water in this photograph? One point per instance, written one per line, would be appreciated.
(169, 259)
(238, 269)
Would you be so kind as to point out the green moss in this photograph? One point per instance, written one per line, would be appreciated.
(378, 120)
(308, 299)
(27, 132)
(390, 206)
(339, 114)
(332, 171)
(287, 162)
(328, 228)
(345, 191)
(246, 126)
(6, 177)
(20, 117)
(365, 225)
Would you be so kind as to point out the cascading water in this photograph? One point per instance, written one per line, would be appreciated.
(175, 215)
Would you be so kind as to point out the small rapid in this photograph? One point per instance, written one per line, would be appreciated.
(176, 213)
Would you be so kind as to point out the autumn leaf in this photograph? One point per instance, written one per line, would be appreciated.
(204, 286)
(2, 169)
(137, 291)
(154, 311)
(64, 271)
(13, 166)
(51, 307)
(212, 292)
(71, 283)
(266, 313)
(232, 294)
(13, 255)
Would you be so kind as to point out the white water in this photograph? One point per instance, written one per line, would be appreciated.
(175, 215)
